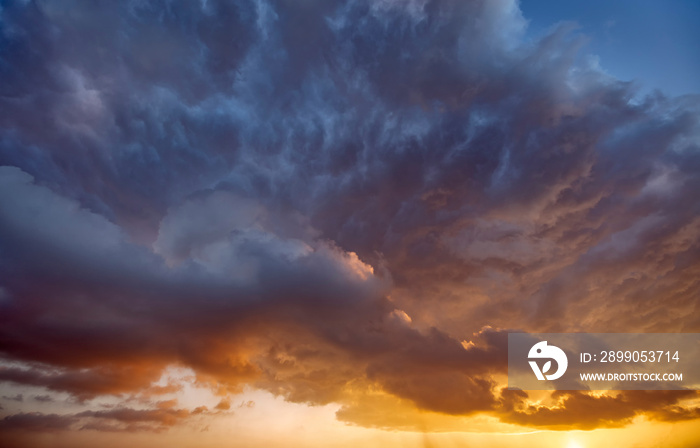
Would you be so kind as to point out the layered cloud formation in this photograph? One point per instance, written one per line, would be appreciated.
(337, 202)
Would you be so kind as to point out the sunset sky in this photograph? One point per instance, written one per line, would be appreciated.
(313, 223)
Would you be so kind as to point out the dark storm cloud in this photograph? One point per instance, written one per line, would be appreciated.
(82, 295)
(308, 195)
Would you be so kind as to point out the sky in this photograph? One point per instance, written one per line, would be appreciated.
(650, 42)
(313, 223)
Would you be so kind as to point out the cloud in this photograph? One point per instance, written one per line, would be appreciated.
(575, 409)
(223, 405)
(332, 201)
(85, 383)
(289, 273)
(36, 422)
(114, 420)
